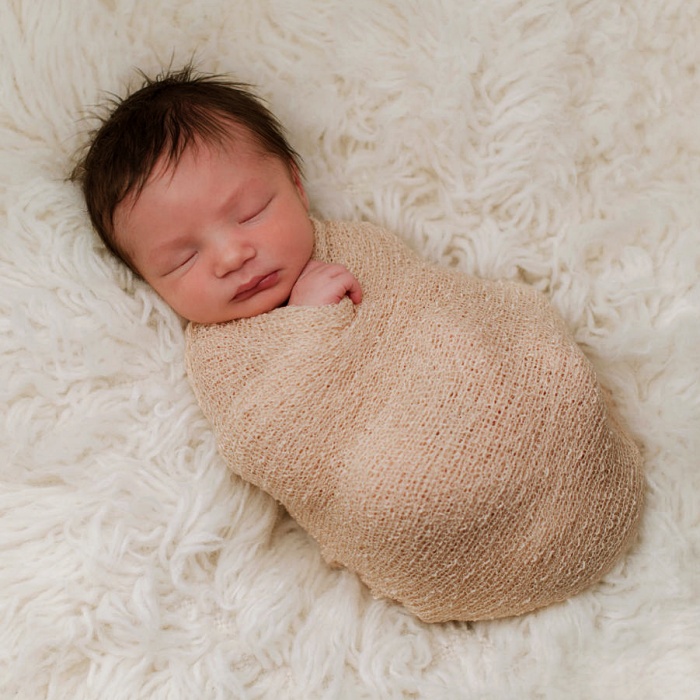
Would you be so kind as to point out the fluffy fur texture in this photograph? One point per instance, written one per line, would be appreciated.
(553, 141)
(446, 439)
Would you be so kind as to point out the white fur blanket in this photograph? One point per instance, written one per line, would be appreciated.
(553, 141)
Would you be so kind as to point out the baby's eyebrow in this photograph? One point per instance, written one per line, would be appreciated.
(158, 255)
(238, 196)
(171, 244)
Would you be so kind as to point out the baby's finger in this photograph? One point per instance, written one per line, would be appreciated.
(354, 290)
(351, 287)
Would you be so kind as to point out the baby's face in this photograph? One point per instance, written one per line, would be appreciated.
(222, 235)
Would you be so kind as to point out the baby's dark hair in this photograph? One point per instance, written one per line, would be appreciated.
(162, 118)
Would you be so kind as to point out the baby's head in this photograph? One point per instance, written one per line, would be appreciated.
(192, 184)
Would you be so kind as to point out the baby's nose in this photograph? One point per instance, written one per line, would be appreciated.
(231, 256)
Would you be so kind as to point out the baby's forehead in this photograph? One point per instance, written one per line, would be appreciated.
(198, 154)
(233, 140)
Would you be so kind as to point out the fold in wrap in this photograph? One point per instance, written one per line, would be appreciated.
(446, 439)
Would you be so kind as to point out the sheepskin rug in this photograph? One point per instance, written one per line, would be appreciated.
(552, 141)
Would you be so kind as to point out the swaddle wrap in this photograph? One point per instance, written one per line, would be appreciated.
(446, 439)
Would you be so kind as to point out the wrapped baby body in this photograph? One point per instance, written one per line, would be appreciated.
(445, 439)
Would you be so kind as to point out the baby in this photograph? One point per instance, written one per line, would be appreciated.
(440, 435)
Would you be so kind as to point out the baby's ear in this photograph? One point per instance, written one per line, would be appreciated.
(299, 184)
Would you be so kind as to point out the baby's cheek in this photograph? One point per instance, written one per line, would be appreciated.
(188, 301)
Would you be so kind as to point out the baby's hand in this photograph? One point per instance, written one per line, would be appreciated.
(321, 284)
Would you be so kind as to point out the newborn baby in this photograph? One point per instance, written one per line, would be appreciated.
(440, 435)
(445, 439)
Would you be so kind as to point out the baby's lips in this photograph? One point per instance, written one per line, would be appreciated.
(255, 285)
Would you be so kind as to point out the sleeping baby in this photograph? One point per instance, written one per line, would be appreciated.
(440, 435)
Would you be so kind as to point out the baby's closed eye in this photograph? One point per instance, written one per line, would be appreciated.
(181, 264)
(256, 212)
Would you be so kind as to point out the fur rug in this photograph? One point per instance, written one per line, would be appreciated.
(554, 141)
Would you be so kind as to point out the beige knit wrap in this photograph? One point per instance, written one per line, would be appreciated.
(446, 439)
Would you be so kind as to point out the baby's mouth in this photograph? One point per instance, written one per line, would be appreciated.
(255, 285)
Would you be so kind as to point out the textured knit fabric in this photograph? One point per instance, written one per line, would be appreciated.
(446, 439)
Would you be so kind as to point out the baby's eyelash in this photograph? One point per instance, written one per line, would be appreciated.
(179, 266)
(257, 212)
(189, 258)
